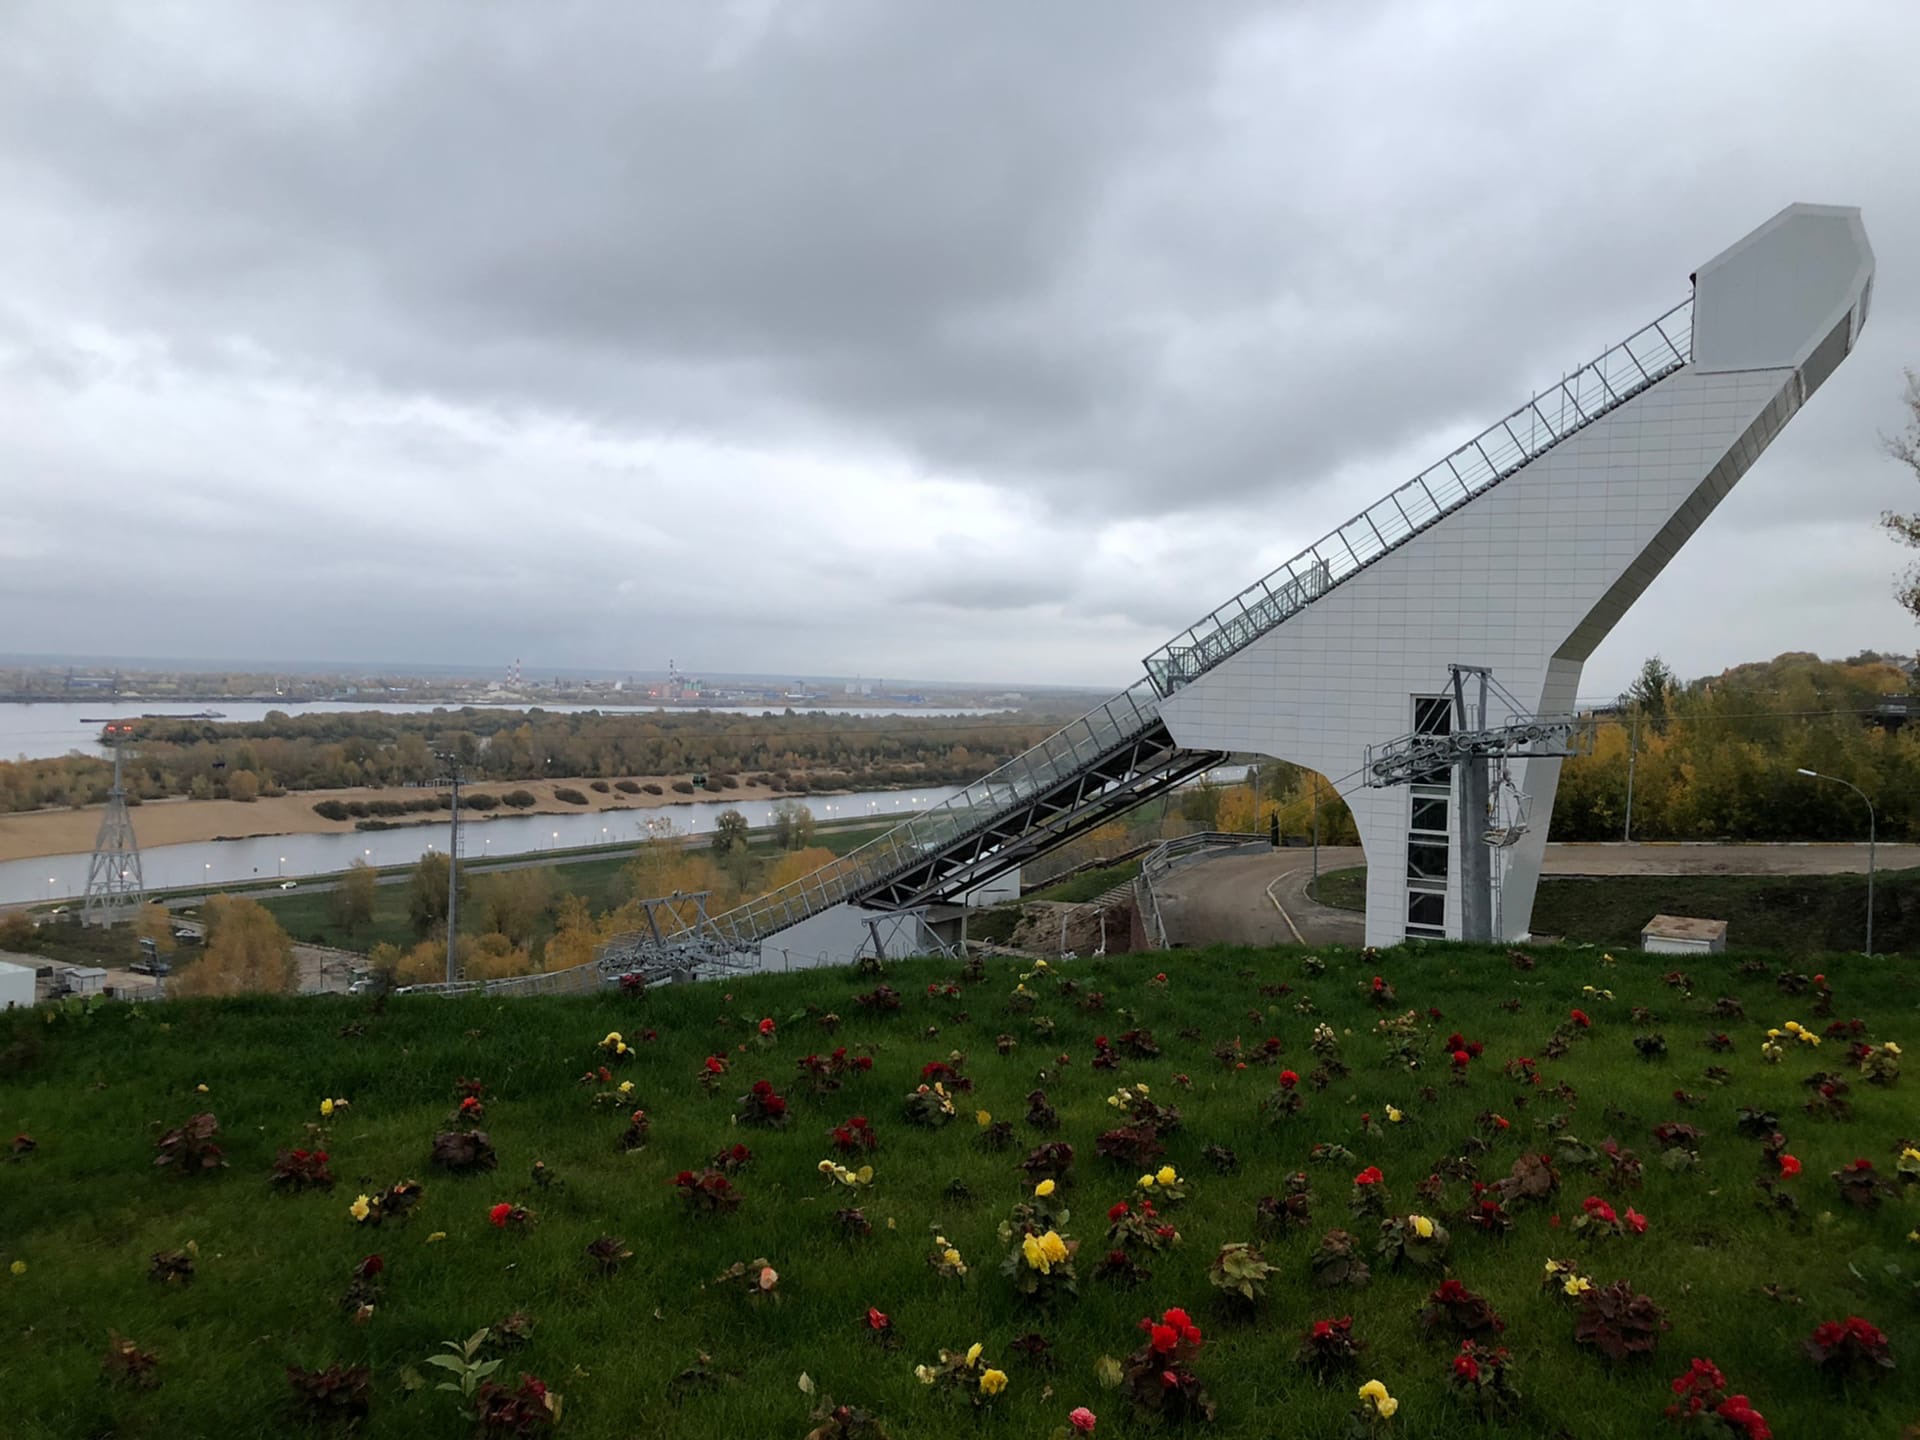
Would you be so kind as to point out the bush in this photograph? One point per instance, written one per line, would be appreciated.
(570, 795)
(330, 810)
(600, 787)
(358, 809)
(653, 789)
(681, 787)
(482, 802)
(518, 799)
(625, 787)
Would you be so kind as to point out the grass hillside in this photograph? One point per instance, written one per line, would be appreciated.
(667, 1348)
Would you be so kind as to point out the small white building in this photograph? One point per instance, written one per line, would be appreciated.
(16, 985)
(1683, 935)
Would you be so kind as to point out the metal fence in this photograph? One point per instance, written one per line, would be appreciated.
(1169, 856)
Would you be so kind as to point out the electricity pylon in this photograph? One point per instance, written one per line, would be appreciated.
(114, 885)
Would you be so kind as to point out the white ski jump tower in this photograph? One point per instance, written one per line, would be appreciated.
(1517, 553)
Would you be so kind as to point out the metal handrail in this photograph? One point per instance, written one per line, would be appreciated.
(1609, 380)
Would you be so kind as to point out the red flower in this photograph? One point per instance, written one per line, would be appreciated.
(1789, 1167)
(1579, 1017)
(1118, 1212)
(498, 1214)
(1177, 1318)
(1369, 1176)
(1167, 1233)
(1598, 1209)
(1288, 1079)
(370, 1267)
(1164, 1338)
(1503, 1122)
(1191, 1334)
(470, 1104)
(685, 1177)
(1378, 983)
(1322, 1329)
(1553, 1222)
(1169, 1379)
(1465, 1366)
(1636, 1222)
(715, 1065)
(877, 1320)
(321, 1156)
(1461, 1059)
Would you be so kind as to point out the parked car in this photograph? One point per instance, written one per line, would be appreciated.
(151, 967)
(186, 936)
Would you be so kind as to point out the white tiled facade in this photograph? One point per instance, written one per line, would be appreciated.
(1529, 576)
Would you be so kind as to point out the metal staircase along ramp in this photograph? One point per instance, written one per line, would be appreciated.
(1106, 762)
(1605, 383)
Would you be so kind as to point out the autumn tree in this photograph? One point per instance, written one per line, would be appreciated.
(155, 923)
(243, 785)
(792, 825)
(247, 953)
(427, 894)
(797, 865)
(728, 829)
(1905, 447)
(1652, 692)
(512, 902)
(351, 903)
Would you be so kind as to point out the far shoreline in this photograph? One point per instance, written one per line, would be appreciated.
(38, 834)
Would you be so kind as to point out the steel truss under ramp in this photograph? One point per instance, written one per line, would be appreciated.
(1107, 762)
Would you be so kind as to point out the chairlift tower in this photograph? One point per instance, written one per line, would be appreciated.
(115, 889)
(1475, 753)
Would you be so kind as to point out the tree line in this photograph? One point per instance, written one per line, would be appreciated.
(796, 751)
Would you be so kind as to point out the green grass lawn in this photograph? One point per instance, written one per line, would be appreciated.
(86, 1209)
(1088, 884)
(1797, 914)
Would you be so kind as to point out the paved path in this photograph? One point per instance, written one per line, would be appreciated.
(1262, 899)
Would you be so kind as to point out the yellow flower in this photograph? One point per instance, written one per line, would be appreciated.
(1167, 1176)
(1910, 1153)
(200, 1089)
(992, 1382)
(1553, 1268)
(1043, 1189)
(1394, 1114)
(1386, 1407)
(360, 1209)
(924, 1374)
(1891, 1048)
(952, 1257)
(613, 1038)
(1773, 1034)
(1373, 1390)
(626, 1087)
(1913, 1237)
(1146, 1182)
(983, 1118)
(19, 1267)
(326, 1109)
(973, 1354)
(1036, 1255)
(1142, 1089)
(1422, 1227)
(1053, 1247)
(436, 1237)
(1577, 1285)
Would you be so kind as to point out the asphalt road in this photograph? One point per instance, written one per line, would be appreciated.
(1262, 899)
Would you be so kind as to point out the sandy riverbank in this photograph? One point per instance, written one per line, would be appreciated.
(184, 822)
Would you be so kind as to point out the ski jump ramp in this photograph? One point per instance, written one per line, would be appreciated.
(1518, 551)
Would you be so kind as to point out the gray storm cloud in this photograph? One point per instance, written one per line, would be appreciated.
(986, 340)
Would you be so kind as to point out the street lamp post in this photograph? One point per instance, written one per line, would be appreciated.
(1871, 826)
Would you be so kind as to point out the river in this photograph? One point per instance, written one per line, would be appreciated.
(40, 729)
(229, 862)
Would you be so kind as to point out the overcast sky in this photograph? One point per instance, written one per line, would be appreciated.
(994, 340)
